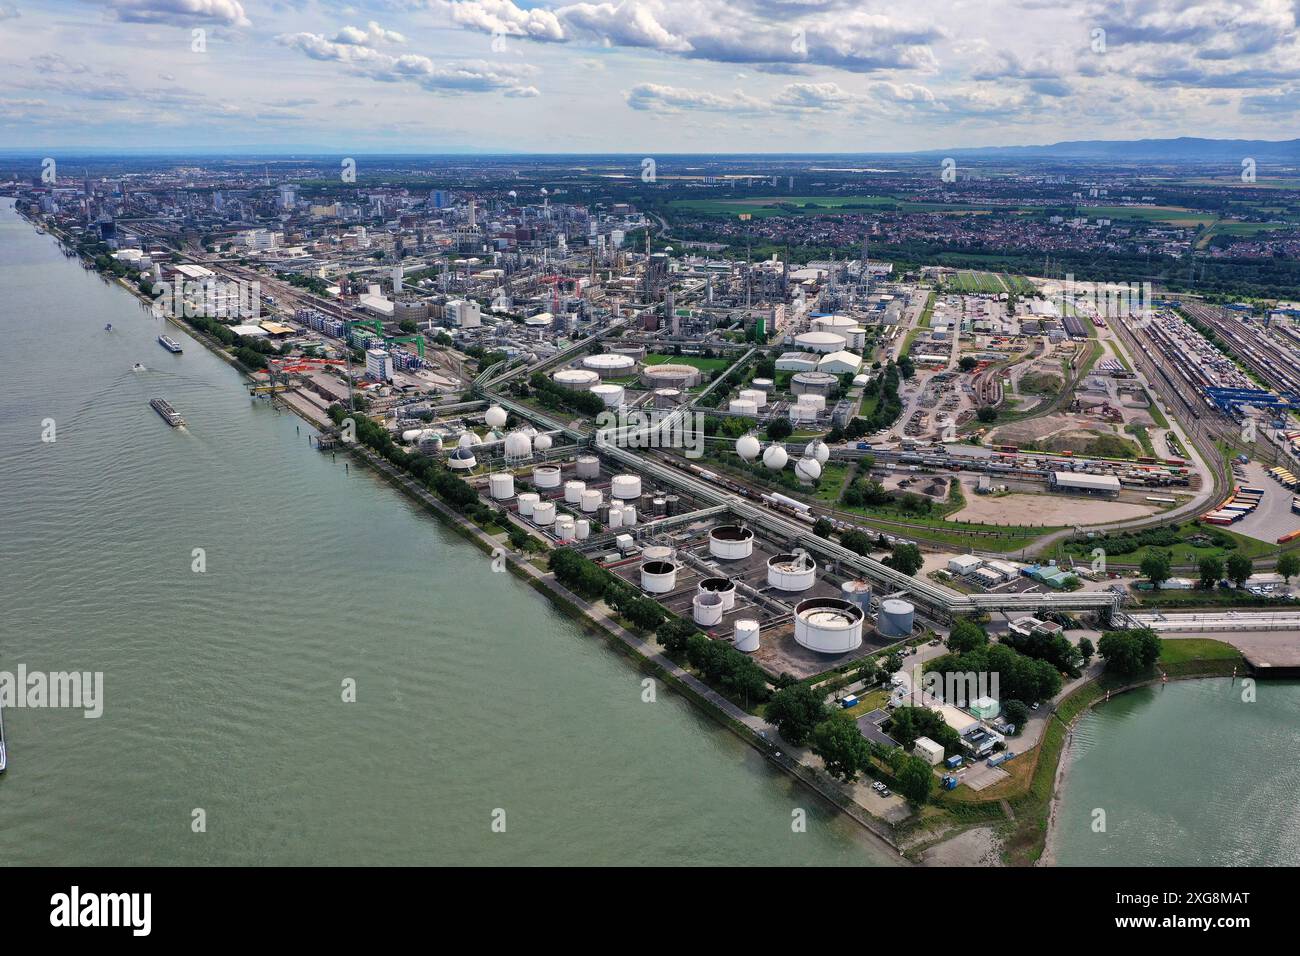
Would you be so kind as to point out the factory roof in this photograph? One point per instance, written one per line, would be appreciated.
(1070, 479)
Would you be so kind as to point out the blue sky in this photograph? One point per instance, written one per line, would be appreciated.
(641, 76)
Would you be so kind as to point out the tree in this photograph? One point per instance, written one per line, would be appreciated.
(673, 634)
(914, 777)
(796, 711)
(1016, 712)
(869, 673)
(893, 663)
(965, 636)
(1130, 653)
(823, 528)
(841, 746)
(1086, 650)
(1240, 568)
(1156, 567)
(967, 363)
(1288, 566)
(986, 414)
(779, 429)
(906, 558)
(1211, 570)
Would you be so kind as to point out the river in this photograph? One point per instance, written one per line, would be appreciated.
(223, 688)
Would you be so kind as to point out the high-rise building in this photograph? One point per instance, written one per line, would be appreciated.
(379, 365)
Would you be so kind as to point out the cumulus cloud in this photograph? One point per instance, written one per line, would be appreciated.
(372, 35)
(180, 12)
(793, 98)
(1217, 29)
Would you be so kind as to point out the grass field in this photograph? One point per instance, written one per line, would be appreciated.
(1168, 215)
(695, 361)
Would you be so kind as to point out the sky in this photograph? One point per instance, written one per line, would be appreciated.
(640, 76)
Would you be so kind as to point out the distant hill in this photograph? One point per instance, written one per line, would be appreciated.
(1184, 149)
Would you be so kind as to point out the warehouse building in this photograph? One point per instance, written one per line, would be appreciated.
(1079, 483)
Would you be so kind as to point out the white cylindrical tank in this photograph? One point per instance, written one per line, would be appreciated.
(565, 527)
(707, 609)
(896, 618)
(658, 577)
(657, 552)
(741, 406)
(723, 587)
(857, 592)
(747, 630)
(629, 515)
(544, 512)
(791, 572)
(527, 501)
(610, 394)
(828, 625)
(591, 499)
(546, 476)
(755, 395)
(775, 457)
(747, 447)
(501, 485)
(816, 401)
(582, 529)
(802, 414)
(807, 469)
(615, 517)
(542, 443)
(762, 384)
(731, 542)
(573, 491)
(588, 466)
(625, 487)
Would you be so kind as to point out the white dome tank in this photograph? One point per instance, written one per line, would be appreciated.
(775, 457)
(896, 618)
(747, 631)
(542, 443)
(791, 572)
(565, 528)
(411, 434)
(707, 609)
(430, 442)
(495, 416)
(462, 459)
(625, 487)
(658, 577)
(518, 445)
(544, 512)
(807, 469)
(723, 587)
(591, 500)
(731, 542)
(747, 447)
(546, 476)
(468, 440)
(573, 491)
(582, 529)
(588, 466)
(818, 450)
(501, 485)
(828, 625)
(527, 501)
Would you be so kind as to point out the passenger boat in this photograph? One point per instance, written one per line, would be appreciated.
(169, 343)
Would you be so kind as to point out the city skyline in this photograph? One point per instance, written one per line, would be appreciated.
(801, 76)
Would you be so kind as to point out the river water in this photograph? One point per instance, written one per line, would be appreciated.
(223, 689)
(1185, 774)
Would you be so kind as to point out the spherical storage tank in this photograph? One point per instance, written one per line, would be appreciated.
(723, 587)
(791, 572)
(807, 469)
(527, 501)
(817, 449)
(747, 447)
(462, 459)
(544, 512)
(501, 485)
(468, 440)
(731, 542)
(546, 476)
(429, 442)
(775, 457)
(542, 443)
(828, 625)
(707, 608)
(411, 434)
(896, 618)
(658, 577)
(518, 445)
(495, 416)
(626, 487)
(747, 630)
(573, 491)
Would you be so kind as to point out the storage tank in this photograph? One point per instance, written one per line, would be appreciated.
(707, 609)
(791, 572)
(462, 459)
(828, 625)
(582, 529)
(802, 414)
(518, 445)
(629, 515)
(807, 469)
(625, 487)
(575, 378)
(565, 527)
(610, 394)
(544, 512)
(501, 485)
(527, 501)
(672, 504)
(747, 447)
(430, 442)
(817, 449)
(495, 416)
(775, 457)
(658, 577)
(723, 587)
(746, 638)
(762, 384)
(588, 466)
(657, 552)
(546, 476)
(815, 401)
(667, 397)
(573, 491)
(755, 395)
(591, 499)
(730, 542)
(857, 592)
(615, 519)
(542, 443)
(411, 434)
(741, 406)
(896, 618)
(658, 507)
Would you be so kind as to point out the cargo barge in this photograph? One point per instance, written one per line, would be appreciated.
(169, 414)
(169, 343)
